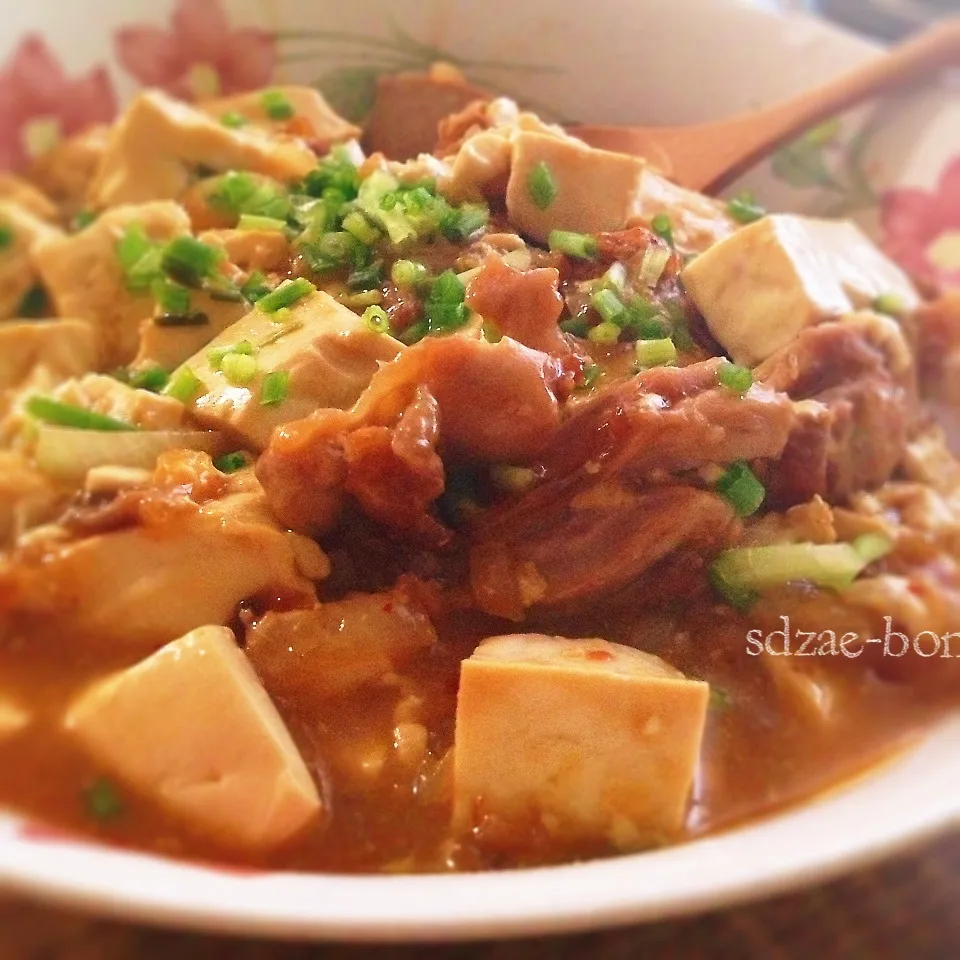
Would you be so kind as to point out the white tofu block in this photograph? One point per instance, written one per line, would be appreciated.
(192, 728)
(596, 741)
(760, 287)
(326, 349)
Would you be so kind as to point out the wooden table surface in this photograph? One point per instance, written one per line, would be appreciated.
(904, 909)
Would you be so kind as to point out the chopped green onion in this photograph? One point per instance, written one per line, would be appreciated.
(444, 309)
(239, 368)
(580, 245)
(197, 319)
(231, 462)
(753, 569)
(153, 379)
(591, 375)
(172, 298)
(189, 261)
(541, 186)
(644, 320)
(656, 353)
(378, 199)
(82, 220)
(490, 332)
(101, 800)
(337, 171)
(360, 227)
(276, 105)
(741, 488)
(6, 237)
(34, 303)
(470, 218)
(285, 295)
(274, 388)
(366, 278)
(255, 287)
(215, 355)
(872, 546)
(409, 273)
(233, 120)
(655, 259)
(184, 385)
(734, 377)
(376, 319)
(48, 410)
(608, 305)
(578, 326)
(744, 208)
(662, 226)
(890, 304)
(605, 333)
(139, 257)
(252, 221)
(614, 279)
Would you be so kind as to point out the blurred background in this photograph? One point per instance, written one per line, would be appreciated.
(884, 19)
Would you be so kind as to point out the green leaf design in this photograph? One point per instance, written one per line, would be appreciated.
(350, 90)
(802, 164)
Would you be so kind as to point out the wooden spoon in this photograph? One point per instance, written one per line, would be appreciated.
(707, 156)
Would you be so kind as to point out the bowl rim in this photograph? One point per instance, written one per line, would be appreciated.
(831, 836)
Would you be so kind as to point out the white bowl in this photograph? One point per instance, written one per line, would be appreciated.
(647, 60)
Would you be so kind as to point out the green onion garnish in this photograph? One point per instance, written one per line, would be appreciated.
(287, 294)
(734, 377)
(252, 221)
(662, 227)
(744, 208)
(234, 120)
(196, 319)
(376, 319)
(276, 105)
(741, 488)
(153, 379)
(578, 326)
(101, 800)
(445, 310)
(541, 186)
(215, 355)
(409, 273)
(231, 462)
(580, 245)
(6, 238)
(605, 333)
(890, 304)
(470, 218)
(274, 388)
(34, 303)
(608, 305)
(255, 287)
(189, 261)
(656, 353)
(172, 298)
(239, 368)
(82, 220)
(48, 410)
(357, 225)
(183, 385)
(139, 258)
(366, 278)
(591, 375)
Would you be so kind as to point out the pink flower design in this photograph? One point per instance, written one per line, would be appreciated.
(39, 103)
(200, 55)
(921, 228)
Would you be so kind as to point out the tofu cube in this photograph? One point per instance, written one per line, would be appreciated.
(192, 729)
(598, 742)
(760, 287)
(63, 348)
(18, 274)
(158, 144)
(326, 349)
(84, 277)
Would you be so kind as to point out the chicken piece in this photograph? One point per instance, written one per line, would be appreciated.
(600, 191)
(159, 142)
(856, 384)
(328, 352)
(167, 346)
(336, 648)
(141, 408)
(27, 497)
(14, 719)
(65, 171)
(86, 281)
(312, 118)
(192, 728)
(23, 233)
(408, 109)
(589, 740)
(26, 196)
(115, 587)
(766, 283)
